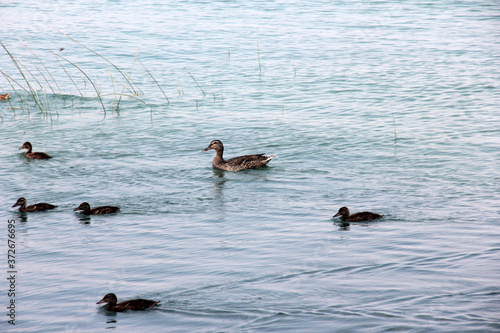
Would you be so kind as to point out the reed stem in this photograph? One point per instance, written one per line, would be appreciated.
(258, 54)
(128, 80)
(168, 101)
(194, 80)
(69, 76)
(212, 91)
(394, 123)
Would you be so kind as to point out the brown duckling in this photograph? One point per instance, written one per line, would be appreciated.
(134, 304)
(36, 155)
(356, 217)
(85, 208)
(4, 97)
(39, 207)
(236, 163)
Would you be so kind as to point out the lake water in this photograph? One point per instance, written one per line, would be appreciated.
(386, 106)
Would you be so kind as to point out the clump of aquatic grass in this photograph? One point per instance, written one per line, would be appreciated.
(33, 81)
(46, 69)
(34, 84)
(29, 88)
(88, 78)
(15, 92)
(127, 78)
(37, 79)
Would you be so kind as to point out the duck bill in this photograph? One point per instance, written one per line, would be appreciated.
(101, 301)
(338, 214)
(16, 204)
(207, 149)
(77, 208)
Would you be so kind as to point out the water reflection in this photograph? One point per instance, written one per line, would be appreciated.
(343, 226)
(218, 173)
(84, 219)
(110, 322)
(21, 216)
(346, 226)
(219, 184)
(110, 318)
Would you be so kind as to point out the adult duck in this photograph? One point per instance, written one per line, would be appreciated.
(85, 208)
(236, 163)
(356, 217)
(39, 207)
(34, 155)
(134, 304)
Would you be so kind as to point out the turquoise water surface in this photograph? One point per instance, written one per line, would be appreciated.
(391, 107)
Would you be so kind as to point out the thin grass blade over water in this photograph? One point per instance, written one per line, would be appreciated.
(33, 81)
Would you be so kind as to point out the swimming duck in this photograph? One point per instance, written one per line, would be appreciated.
(134, 304)
(236, 163)
(85, 208)
(39, 207)
(35, 155)
(356, 217)
(4, 97)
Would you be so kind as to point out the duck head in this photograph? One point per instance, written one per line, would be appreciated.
(343, 211)
(108, 298)
(27, 145)
(215, 144)
(83, 206)
(20, 202)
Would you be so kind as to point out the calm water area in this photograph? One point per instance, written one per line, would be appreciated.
(384, 106)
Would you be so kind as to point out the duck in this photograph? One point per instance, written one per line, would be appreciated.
(134, 304)
(236, 163)
(356, 217)
(36, 155)
(4, 97)
(85, 208)
(39, 207)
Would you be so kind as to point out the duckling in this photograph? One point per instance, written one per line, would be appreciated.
(356, 217)
(4, 97)
(85, 208)
(134, 304)
(39, 207)
(36, 155)
(236, 163)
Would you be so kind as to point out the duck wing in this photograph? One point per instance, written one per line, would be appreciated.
(363, 216)
(104, 210)
(38, 156)
(39, 207)
(249, 161)
(135, 304)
